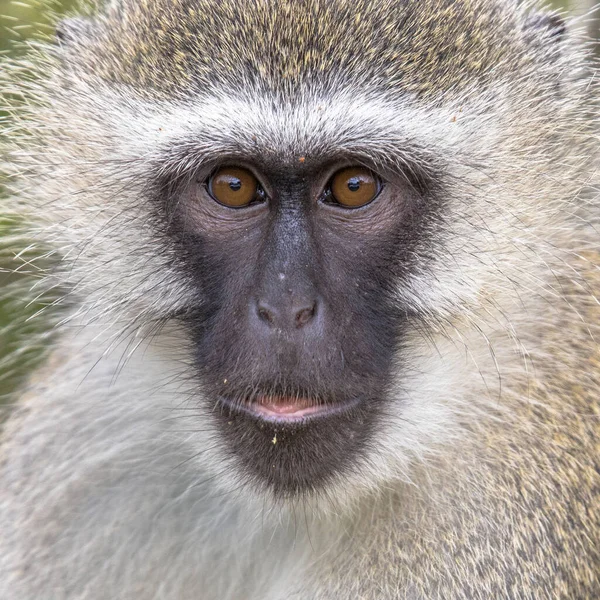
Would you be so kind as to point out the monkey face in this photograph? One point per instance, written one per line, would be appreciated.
(297, 325)
(225, 201)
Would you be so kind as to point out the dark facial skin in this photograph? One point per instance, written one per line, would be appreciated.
(296, 306)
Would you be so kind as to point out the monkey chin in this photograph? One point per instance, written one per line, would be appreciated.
(293, 446)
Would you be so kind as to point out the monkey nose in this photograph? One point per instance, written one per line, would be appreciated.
(286, 315)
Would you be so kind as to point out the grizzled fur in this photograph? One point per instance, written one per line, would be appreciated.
(482, 480)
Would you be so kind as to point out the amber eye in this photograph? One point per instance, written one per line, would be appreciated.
(234, 187)
(354, 187)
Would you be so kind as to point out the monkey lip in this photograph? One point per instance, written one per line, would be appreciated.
(287, 409)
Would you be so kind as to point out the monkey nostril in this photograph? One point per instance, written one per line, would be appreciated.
(305, 315)
(266, 315)
(288, 317)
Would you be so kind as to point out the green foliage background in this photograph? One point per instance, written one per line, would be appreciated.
(20, 22)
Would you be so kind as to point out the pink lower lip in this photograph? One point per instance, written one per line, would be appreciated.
(287, 410)
(280, 409)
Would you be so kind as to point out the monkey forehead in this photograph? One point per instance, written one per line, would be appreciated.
(173, 46)
(396, 136)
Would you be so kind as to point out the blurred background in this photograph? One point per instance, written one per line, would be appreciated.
(20, 22)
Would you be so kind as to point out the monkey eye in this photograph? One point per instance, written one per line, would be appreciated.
(235, 187)
(353, 187)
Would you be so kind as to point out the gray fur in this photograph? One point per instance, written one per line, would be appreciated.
(483, 481)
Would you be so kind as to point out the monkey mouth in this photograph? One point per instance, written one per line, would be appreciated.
(282, 409)
(294, 442)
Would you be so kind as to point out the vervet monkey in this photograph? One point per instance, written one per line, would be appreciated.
(330, 274)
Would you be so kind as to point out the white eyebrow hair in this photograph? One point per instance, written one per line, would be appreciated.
(394, 134)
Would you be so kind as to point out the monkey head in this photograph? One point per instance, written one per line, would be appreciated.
(313, 193)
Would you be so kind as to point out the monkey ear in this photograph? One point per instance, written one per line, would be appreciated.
(74, 31)
(548, 24)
